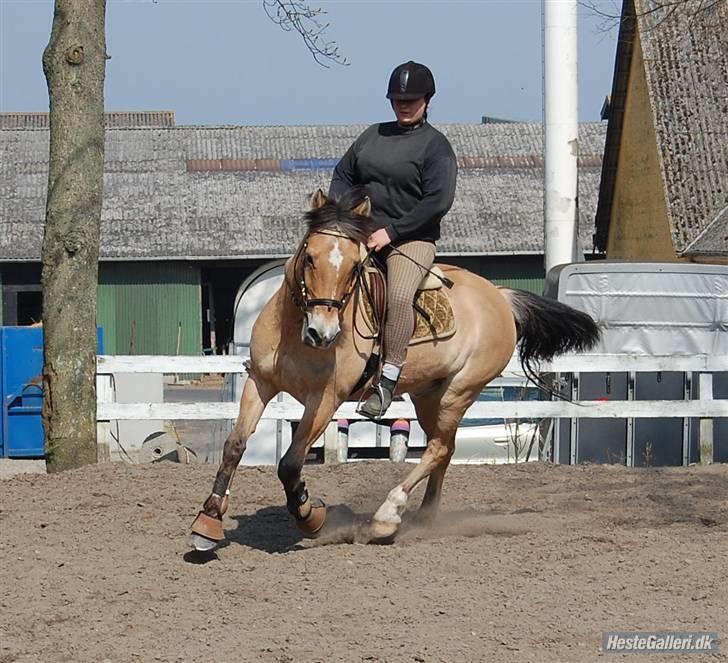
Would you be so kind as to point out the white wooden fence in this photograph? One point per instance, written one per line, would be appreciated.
(705, 409)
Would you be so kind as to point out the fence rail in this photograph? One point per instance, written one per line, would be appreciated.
(705, 408)
(563, 364)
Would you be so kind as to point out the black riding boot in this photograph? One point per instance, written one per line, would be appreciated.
(380, 399)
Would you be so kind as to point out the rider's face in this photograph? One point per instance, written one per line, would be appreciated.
(409, 111)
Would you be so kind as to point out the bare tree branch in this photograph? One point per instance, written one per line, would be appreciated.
(610, 17)
(300, 17)
(665, 7)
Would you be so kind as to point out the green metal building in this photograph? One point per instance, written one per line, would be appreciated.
(150, 308)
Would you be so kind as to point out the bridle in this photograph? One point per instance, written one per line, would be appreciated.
(299, 290)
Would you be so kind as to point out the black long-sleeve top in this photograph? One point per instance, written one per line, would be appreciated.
(410, 175)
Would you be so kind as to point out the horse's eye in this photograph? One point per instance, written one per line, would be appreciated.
(308, 260)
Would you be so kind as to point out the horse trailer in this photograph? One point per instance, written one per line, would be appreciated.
(642, 308)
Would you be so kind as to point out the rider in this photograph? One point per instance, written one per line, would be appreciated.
(409, 170)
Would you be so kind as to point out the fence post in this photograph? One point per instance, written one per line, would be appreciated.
(334, 450)
(398, 438)
(706, 424)
(104, 394)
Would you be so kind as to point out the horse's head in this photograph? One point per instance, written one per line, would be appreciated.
(326, 264)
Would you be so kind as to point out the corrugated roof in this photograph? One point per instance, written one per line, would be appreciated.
(113, 119)
(685, 48)
(155, 208)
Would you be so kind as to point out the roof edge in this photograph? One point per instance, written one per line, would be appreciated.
(620, 83)
(720, 218)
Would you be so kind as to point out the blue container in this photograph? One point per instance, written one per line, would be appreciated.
(21, 389)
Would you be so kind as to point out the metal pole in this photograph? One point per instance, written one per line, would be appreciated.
(561, 132)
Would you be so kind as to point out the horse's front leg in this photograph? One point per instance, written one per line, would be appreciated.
(310, 514)
(207, 527)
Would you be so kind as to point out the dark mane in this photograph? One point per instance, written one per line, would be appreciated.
(338, 215)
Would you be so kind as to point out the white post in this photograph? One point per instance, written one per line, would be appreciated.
(331, 444)
(561, 132)
(706, 425)
(104, 394)
(342, 446)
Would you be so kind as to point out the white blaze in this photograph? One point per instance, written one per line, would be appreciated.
(336, 257)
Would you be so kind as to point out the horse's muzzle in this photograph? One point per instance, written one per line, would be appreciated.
(314, 339)
(320, 332)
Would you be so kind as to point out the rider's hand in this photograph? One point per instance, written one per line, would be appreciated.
(378, 240)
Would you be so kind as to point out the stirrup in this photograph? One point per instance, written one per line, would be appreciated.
(379, 390)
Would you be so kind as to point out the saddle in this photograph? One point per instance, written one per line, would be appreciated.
(434, 317)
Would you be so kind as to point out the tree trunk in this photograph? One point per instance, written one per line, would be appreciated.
(74, 63)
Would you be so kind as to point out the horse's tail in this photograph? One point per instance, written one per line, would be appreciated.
(547, 328)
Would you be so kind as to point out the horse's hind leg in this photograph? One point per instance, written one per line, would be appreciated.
(207, 527)
(439, 416)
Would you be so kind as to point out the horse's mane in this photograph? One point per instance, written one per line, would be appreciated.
(338, 214)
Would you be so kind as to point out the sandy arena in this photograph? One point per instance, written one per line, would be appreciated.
(527, 563)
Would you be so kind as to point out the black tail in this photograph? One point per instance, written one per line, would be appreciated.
(547, 328)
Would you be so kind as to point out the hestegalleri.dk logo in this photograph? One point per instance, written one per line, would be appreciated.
(664, 642)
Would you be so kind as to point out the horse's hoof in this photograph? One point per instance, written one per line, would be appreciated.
(202, 544)
(312, 524)
(208, 527)
(382, 532)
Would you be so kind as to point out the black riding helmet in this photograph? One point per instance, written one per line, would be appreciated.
(411, 80)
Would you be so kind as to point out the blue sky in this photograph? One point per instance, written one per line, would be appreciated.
(227, 63)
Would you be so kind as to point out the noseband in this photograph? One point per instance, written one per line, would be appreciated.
(299, 291)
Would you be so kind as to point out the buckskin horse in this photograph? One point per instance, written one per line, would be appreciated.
(308, 341)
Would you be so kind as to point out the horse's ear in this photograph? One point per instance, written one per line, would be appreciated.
(318, 199)
(364, 208)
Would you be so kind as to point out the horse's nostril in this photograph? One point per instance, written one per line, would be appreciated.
(313, 335)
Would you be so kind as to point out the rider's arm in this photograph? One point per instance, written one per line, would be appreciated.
(438, 192)
(344, 174)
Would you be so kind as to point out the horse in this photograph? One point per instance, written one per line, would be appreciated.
(308, 341)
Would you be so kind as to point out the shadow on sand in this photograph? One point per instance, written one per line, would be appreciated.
(272, 530)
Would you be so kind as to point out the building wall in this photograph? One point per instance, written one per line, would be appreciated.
(144, 306)
(523, 272)
(639, 228)
(150, 308)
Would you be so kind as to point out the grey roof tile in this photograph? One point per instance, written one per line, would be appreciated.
(155, 208)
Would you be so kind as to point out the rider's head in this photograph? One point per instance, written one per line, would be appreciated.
(411, 86)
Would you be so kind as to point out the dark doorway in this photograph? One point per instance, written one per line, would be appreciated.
(220, 283)
(29, 307)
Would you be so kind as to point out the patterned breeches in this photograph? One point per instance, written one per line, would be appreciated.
(403, 277)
